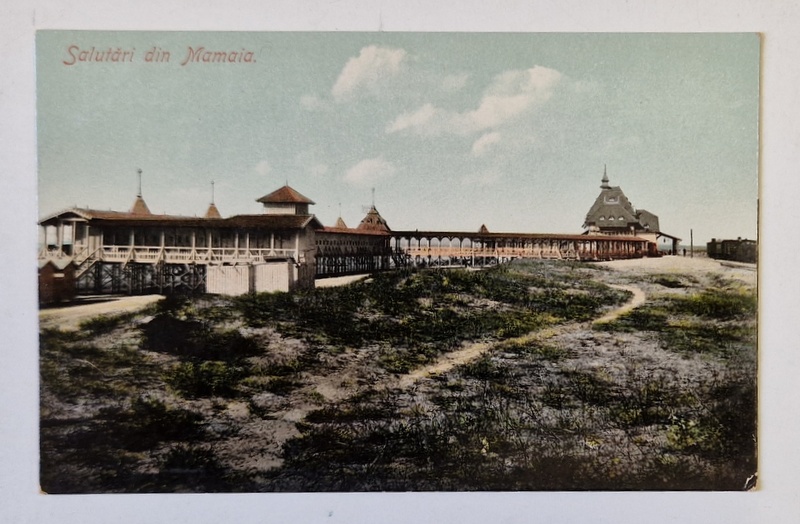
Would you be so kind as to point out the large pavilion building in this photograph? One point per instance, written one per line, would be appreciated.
(613, 214)
(284, 248)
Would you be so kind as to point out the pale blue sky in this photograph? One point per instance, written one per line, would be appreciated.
(452, 130)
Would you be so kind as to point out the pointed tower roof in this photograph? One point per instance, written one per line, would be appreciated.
(340, 223)
(140, 207)
(285, 195)
(611, 208)
(374, 222)
(483, 229)
(212, 212)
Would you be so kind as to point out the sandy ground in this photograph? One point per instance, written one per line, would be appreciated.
(70, 317)
(338, 281)
(685, 265)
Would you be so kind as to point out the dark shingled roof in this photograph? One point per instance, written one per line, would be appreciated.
(611, 202)
(374, 221)
(285, 195)
(648, 220)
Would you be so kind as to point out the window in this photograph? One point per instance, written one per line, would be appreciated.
(602, 218)
(611, 218)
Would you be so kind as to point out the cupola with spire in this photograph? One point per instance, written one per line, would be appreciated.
(604, 184)
(212, 211)
(139, 206)
(373, 221)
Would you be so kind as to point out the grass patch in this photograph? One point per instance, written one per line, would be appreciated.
(205, 379)
(104, 324)
(719, 304)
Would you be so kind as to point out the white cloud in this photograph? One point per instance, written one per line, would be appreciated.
(422, 118)
(263, 167)
(485, 142)
(368, 71)
(369, 171)
(510, 95)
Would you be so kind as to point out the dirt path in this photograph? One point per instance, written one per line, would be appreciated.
(638, 299)
(70, 317)
(474, 350)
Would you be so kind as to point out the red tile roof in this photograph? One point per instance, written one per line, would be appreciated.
(285, 195)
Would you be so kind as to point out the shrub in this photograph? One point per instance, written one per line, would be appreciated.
(204, 379)
(194, 339)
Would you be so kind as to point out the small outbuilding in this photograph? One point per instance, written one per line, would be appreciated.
(56, 280)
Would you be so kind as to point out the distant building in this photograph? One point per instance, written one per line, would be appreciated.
(613, 214)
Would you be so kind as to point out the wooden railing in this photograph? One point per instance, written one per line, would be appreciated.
(187, 255)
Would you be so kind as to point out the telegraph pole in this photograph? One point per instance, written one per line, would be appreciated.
(691, 243)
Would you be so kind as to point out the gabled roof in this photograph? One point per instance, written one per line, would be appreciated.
(483, 229)
(340, 224)
(59, 263)
(374, 221)
(285, 195)
(648, 220)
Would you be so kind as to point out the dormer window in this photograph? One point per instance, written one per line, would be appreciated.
(602, 218)
(611, 218)
(611, 200)
(621, 219)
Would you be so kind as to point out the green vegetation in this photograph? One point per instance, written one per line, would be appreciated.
(103, 324)
(210, 393)
(204, 379)
(716, 321)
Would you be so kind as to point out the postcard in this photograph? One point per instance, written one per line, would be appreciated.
(366, 262)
